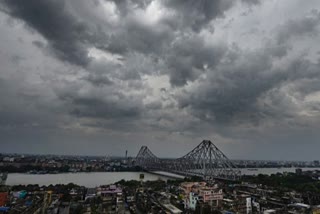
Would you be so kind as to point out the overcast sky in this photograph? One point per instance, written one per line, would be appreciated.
(104, 76)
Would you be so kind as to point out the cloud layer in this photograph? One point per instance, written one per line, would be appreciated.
(103, 76)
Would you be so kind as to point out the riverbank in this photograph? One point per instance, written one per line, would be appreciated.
(92, 179)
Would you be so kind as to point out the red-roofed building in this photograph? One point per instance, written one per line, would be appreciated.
(3, 198)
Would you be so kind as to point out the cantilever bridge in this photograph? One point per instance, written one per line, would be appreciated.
(205, 160)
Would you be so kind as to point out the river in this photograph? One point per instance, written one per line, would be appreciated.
(91, 179)
(101, 178)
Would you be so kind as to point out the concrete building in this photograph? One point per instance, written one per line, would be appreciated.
(211, 195)
(193, 199)
(198, 191)
(188, 188)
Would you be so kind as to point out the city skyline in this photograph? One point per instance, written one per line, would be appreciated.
(105, 76)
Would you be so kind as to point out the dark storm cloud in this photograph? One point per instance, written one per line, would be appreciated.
(307, 25)
(159, 70)
(251, 2)
(124, 6)
(140, 37)
(235, 90)
(95, 108)
(232, 88)
(232, 91)
(69, 37)
(19, 108)
(190, 57)
(93, 104)
(196, 14)
(98, 80)
(66, 35)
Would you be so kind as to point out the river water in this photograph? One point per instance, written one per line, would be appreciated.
(93, 179)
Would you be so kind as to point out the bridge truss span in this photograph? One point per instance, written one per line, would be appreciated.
(205, 161)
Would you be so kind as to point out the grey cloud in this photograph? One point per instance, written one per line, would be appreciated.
(196, 14)
(252, 2)
(299, 27)
(154, 105)
(156, 39)
(277, 50)
(190, 57)
(19, 108)
(96, 108)
(148, 38)
(171, 79)
(66, 35)
(125, 6)
(101, 72)
(281, 44)
(38, 44)
(190, 13)
(104, 103)
(139, 38)
(98, 80)
(232, 91)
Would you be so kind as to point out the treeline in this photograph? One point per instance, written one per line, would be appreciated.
(57, 188)
(28, 168)
(300, 183)
(63, 169)
(275, 165)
